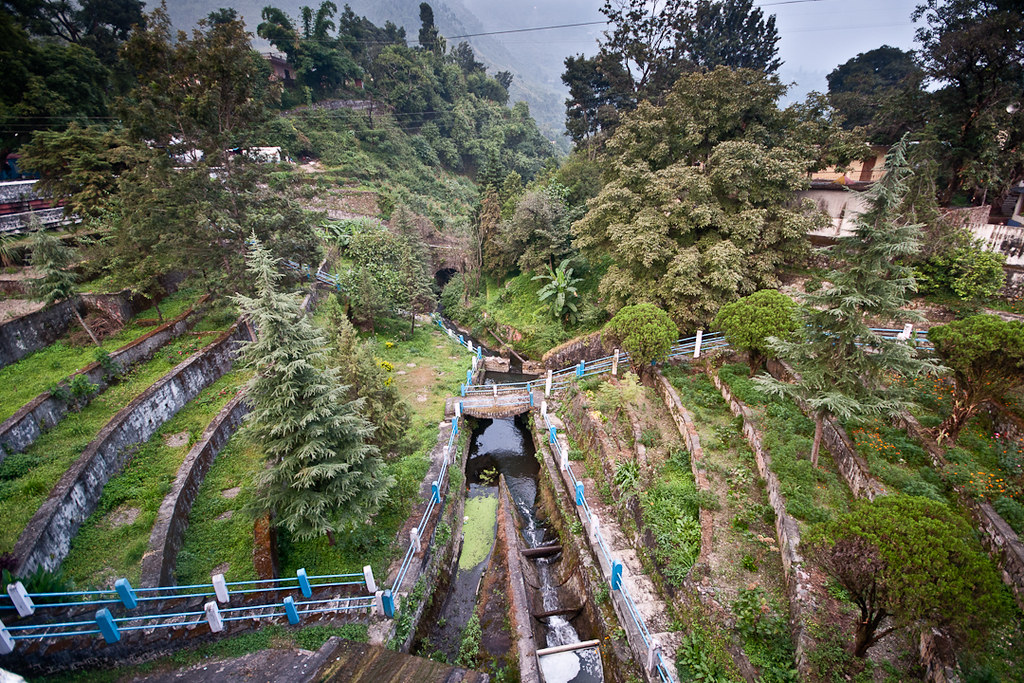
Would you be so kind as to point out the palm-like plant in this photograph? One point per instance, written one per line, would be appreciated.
(559, 292)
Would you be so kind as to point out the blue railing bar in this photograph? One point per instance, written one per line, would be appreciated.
(246, 583)
(146, 617)
(255, 616)
(77, 603)
(180, 596)
(363, 598)
(65, 624)
(38, 636)
(253, 607)
(177, 623)
(53, 595)
(174, 588)
(328, 611)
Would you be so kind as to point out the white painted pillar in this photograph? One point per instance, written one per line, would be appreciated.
(696, 343)
(543, 408)
(547, 385)
(371, 585)
(414, 538)
(615, 363)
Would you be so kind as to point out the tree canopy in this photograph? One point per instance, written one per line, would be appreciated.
(985, 355)
(749, 323)
(645, 332)
(909, 560)
(698, 205)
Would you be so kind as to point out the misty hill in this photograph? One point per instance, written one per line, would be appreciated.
(537, 71)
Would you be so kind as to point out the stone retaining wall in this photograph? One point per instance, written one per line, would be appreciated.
(852, 467)
(47, 538)
(1005, 422)
(20, 431)
(587, 347)
(24, 334)
(172, 519)
(798, 584)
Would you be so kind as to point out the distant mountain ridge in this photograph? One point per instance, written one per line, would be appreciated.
(532, 84)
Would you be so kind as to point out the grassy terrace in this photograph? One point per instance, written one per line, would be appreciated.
(26, 479)
(743, 562)
(812, 494)
(903, 466)
(32, 375)
(110, 544)
(428, 368)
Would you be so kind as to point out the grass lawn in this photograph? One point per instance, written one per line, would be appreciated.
(22, 381)
(111, 542)
(26, 479)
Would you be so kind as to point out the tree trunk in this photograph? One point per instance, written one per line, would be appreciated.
(950, 428)
(84, 326)
(412, 321)
(862, 640)
(756, 361)
(819, 423)
(330, 538)
(159, 313)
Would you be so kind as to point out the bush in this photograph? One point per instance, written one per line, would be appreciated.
(750, 321)
(645, 332)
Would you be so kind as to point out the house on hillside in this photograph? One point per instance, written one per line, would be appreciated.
(282, 70)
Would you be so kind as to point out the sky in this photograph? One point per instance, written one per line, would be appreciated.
(815, 35)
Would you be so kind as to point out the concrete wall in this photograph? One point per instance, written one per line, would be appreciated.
(27, 333)
(47, 538)
(20, 431)
(172, 519)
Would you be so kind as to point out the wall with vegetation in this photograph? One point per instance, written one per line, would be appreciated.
(47, 538)
(20, 431)
(172, 519)
(27, 333)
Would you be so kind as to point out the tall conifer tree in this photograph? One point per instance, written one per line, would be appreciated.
(321, 471)
(846, 370)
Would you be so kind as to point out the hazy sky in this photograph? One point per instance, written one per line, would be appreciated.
(815, 36)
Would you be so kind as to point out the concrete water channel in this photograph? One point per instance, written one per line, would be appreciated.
(561, 630)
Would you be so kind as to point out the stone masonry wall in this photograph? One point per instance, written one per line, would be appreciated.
(588, 347)
(20, 431)
(47, 538)
(798, 586)
(27, 333)
(172, 519)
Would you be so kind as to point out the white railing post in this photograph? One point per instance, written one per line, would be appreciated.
(907, 333)
(547, 385)
(371, 585)
(414, 538)
(615, 364)
(696, 343)
(543, 408)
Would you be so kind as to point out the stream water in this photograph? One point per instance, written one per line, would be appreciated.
(504, 446)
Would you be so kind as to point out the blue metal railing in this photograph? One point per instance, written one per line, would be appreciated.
(617, 584)
(24, 604)
(416, 534)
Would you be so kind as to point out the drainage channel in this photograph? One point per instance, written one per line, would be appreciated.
(503, 446)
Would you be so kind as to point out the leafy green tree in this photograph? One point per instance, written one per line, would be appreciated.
(536, 235)
(698, 206)
(645, 332)
(864, 88)
(732, 33)
(53, 261)
(975, 52)
(99, 25)
(368, 378)
(749, 322)
(909, 560)
(322, 475)
(414, 262)
(965, 268)
(560, 292)
(985, 355)
(845, 369)
(429, 37)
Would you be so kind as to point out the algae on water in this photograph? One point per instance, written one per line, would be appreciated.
(478, 529)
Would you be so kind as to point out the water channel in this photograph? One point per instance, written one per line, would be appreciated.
(504, 446)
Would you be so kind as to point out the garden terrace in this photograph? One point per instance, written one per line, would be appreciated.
(27, 478)
(740, 571)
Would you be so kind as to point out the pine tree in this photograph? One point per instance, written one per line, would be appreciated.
(368, 378)
(846, 370)
(53, 261)
(321, 471)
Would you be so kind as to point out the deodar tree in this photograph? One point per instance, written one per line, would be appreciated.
(908, 560)
(845, 369)
(321, 473)
(53, 262)
(985, 355)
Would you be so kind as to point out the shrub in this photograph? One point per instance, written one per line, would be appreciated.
(645, 332)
